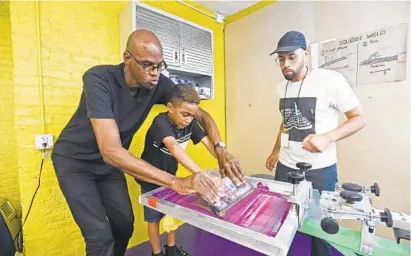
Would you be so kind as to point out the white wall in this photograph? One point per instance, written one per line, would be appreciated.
(379, 153)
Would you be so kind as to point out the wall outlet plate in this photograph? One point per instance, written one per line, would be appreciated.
(43, 139)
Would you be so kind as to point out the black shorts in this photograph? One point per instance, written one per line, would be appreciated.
(150, 215)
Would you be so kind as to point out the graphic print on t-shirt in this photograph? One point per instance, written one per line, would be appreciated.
(299, 117)
(182, 142)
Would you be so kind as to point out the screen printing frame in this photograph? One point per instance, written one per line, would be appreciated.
(278, 245)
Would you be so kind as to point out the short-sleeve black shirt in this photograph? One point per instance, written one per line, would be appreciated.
(157, 154)
(106, 95)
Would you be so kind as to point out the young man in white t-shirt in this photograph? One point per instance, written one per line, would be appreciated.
(310, 104)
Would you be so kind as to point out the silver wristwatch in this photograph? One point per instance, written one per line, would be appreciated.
(220, 144)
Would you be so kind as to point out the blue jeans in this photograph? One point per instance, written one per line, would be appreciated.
(150, 215)
(321, 179)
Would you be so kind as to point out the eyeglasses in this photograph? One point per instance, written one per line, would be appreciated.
(292, 58)
(150, 67)
(281, 60)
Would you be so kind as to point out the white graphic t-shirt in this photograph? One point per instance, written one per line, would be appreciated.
(313, 109)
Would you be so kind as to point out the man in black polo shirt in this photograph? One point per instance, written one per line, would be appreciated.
(91, 153)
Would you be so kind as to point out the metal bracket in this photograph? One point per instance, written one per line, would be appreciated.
(219, 17)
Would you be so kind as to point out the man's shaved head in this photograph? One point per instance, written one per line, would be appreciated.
(143, 50)
(141, 39)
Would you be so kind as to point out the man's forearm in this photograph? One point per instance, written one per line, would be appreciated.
(209, 126)
(349, 127)
(228, 164)
(138, 168)
(210, 149)
(277, 144)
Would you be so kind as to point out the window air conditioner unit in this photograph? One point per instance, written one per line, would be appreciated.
(10, 226)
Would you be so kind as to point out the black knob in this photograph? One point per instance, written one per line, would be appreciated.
(351, 187)
(375, 189)
(303, 166)
(330, 226)
(350, 196)
(295, 177)
(386, 217)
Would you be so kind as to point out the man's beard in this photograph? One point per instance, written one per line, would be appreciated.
(294, 74)
(291, 76)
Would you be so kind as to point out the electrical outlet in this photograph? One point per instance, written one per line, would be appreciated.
(43, 139)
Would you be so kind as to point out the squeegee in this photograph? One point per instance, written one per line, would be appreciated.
(231, 195)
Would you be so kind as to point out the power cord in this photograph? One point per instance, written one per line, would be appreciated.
(35, 192)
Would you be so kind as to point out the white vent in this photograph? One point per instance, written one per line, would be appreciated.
(7, 210)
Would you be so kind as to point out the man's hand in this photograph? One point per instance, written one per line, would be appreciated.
(316, 143)
(229, 166)
(199, 183)
(271, 161)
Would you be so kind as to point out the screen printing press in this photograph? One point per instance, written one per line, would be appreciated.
(264, 215)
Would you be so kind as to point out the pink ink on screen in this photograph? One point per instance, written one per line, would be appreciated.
(261, 210)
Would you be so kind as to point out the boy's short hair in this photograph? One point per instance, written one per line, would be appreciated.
(183, 93)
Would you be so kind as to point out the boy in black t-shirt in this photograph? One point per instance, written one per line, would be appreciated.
(164, 148)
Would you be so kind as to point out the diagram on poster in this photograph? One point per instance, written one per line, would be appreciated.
(374, 57)
(382, 56)
(341, 58)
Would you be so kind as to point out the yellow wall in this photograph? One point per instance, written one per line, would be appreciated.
(9, 185)
(73, 37)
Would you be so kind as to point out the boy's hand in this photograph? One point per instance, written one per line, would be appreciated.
(229, 166)
(199, 183)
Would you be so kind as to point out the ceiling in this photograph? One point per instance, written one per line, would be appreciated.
(226, 7)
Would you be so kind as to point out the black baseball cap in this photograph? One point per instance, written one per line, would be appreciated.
(291, 41)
